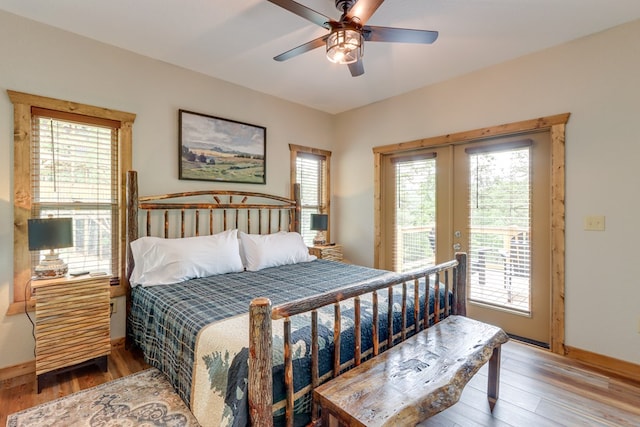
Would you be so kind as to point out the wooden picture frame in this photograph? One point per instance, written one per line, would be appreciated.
(216, 149)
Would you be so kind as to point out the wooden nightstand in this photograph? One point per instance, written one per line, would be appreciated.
(330, 252)
(72, 325)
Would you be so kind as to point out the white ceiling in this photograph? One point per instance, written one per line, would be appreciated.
(235, 40)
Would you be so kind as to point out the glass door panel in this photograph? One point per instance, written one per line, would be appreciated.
(414, 212)
(500, 219)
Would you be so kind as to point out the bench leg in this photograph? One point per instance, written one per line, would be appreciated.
(494, 378)
(327, 420)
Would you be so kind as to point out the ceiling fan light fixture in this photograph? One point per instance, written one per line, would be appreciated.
(344, 46)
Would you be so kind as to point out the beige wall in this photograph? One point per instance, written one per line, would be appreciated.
(596, 80)
(41, 60)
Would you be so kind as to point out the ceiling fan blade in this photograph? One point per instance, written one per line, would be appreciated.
(304, 12)
(363, 10)
(313, 44)
(398, 35)
(356, 68)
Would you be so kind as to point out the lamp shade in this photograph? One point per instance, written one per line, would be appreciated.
(344, 46)
(319, 222)
(50, 233)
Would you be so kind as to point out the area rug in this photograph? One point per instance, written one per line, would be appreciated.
(143, 399)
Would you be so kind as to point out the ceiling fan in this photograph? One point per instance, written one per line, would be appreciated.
(345, 41)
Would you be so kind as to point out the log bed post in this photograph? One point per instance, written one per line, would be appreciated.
(132, 217)
(131, 235)
(297, 216)
(260, 363)
(460, 283)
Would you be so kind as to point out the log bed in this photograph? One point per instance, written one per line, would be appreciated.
(393, 302)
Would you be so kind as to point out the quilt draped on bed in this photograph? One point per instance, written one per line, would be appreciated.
(196, 332)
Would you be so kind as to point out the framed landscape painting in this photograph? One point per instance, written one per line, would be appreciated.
(216, 149)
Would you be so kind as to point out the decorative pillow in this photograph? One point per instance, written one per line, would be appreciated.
(270, 250)
(164, 261)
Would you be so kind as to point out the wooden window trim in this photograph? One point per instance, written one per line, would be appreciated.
(557, 128)
(294, 150)
(22, 110)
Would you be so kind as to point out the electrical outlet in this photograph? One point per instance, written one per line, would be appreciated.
(594, 223)
(114, 306)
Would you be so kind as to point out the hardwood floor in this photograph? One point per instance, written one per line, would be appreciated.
(541, 389)
(536, 389)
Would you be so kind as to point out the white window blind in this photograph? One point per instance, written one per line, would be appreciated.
(310, 175)
(74, 173)
(500, 221)
(415, 212)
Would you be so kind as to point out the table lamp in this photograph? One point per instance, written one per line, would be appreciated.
(320, 223)
(50, 233)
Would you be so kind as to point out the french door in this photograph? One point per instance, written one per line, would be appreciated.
(489, 198)
(501, 218)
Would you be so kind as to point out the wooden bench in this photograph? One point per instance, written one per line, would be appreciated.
(415, 379)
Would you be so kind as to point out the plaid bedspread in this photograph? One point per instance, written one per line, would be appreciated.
(167, 322)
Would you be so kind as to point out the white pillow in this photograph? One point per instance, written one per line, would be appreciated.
(270, 250)
(164, 261)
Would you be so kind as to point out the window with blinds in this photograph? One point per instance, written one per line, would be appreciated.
(310, 174)
(415, 212)
(500, 225)
(74, 173)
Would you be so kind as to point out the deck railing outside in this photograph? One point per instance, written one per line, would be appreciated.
(499, 262)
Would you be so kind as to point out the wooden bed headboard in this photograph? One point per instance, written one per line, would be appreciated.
(200, 213)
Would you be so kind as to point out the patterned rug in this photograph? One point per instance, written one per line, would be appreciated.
(142, 399)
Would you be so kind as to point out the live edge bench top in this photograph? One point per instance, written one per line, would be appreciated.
(417, 378)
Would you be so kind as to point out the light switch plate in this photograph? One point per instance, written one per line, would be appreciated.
(594, 223)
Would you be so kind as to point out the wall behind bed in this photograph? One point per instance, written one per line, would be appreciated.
(45, 61)
(595, 78)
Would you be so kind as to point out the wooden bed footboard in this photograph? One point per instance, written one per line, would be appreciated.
(452, 275)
